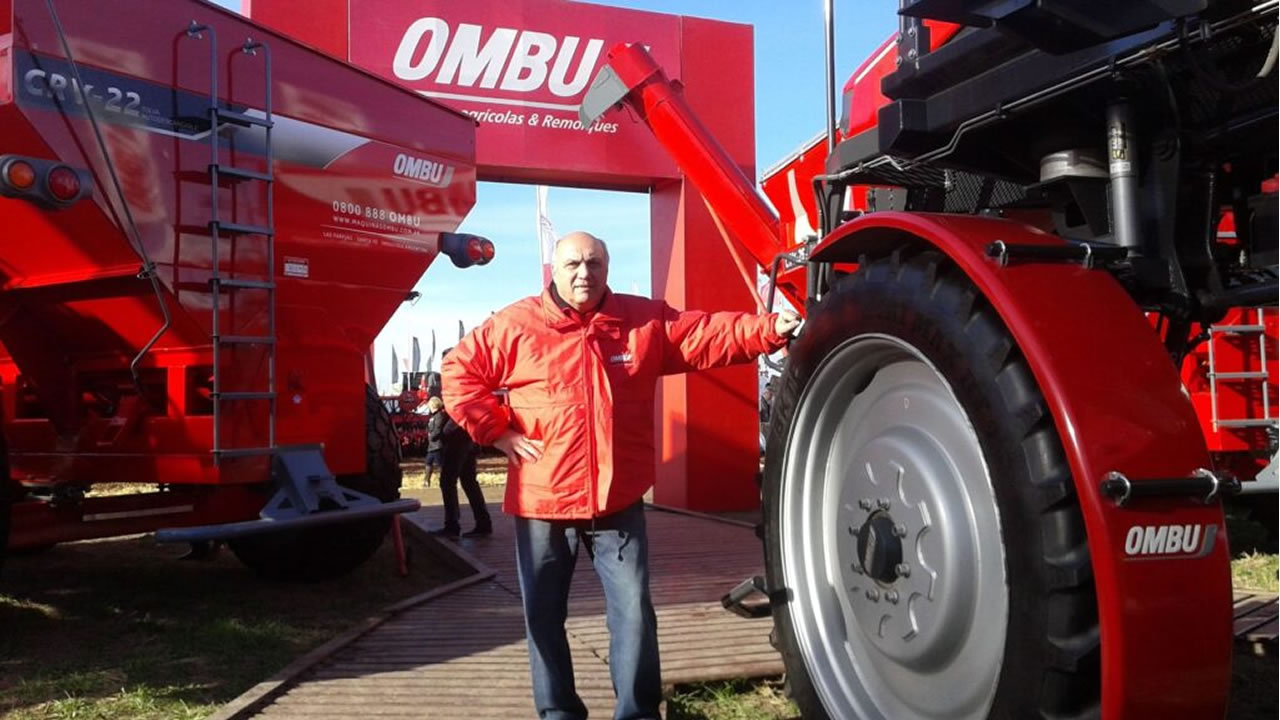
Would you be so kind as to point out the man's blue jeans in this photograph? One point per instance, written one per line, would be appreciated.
(619, 548)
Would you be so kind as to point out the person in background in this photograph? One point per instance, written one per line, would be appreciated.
(458, 465)
(436, 419)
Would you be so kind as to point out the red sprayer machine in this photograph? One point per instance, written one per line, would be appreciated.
(1033, 362)
(206, 225)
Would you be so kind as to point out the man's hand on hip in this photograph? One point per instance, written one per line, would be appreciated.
(518, 448)
(786, 323)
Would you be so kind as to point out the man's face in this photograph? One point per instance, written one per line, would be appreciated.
(581, 271)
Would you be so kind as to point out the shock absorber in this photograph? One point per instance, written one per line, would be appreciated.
(1122, 156)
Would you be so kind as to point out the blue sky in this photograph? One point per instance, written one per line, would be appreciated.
(789, 111)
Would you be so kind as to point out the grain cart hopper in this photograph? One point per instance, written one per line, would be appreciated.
(205, 226)
(987, 492)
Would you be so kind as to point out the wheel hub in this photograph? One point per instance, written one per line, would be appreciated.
(880, 548)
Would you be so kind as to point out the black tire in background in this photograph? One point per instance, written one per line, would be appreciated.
(330, 551)
(923, 315)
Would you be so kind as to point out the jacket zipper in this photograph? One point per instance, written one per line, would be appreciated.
(592, 465)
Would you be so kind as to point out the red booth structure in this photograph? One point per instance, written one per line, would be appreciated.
(520, 68)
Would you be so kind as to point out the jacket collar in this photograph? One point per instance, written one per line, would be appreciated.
(559, 315)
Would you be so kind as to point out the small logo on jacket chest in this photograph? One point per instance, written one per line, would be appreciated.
(620, 359)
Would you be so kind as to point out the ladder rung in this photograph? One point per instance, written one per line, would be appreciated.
(246, 340)
(1259, 375)
(1245, 423)
(241, 228)
(233, 282)
(242, 118)
(1237, 329)
(244, 452)
(245, 395)
(232, 171)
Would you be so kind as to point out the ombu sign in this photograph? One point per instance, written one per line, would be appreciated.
(520, 69)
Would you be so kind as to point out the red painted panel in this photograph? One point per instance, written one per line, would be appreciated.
(316, 27)
(707, 428)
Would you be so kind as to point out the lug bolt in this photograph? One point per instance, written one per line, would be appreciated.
(864, 503)
(873, 595)
(892, 596)
(856, 568)
(903, 570)
(883, 503)
(900, 530)
(853, 530)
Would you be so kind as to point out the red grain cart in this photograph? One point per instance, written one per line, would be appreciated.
(206, 225)
(987, 490)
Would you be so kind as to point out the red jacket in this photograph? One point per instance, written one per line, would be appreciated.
(584, 386)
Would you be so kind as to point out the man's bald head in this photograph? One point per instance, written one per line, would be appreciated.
(580, 270)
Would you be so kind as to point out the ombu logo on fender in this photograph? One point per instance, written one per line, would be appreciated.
(1169, 541)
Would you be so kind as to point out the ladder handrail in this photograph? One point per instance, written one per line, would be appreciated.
(216, 225)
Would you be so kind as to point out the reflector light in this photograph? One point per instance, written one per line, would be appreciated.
(466, 250)
(20, 175)
(64, 184)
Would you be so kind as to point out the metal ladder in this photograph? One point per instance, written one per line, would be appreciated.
(1261, 375)
(228, 285)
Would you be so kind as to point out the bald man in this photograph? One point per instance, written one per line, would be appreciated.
(580, 364)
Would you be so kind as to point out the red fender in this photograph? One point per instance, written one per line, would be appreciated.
(1118, 404)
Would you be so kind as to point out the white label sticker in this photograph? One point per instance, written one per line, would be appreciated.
(297, 267)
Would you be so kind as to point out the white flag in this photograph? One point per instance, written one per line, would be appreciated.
(546, 234)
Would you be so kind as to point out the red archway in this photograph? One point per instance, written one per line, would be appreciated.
(520, 68)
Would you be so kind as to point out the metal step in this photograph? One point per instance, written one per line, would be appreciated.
(242, 118)
(246, 340)
(1256, 422)
(1237, 329)
(231, 171)
(233, 282)
(1258, 375)
(240, 228)
(245, 395)
(244, 452)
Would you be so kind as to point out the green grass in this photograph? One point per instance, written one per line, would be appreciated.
(121, 629)
(1256, 571)
(1254, 558)
(731, 700)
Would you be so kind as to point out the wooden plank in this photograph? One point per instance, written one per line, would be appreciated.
(1256, 618)
(1251, 604)
(1265, 633)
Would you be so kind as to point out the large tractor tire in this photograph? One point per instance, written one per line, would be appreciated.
(322, 553)
(924, 542)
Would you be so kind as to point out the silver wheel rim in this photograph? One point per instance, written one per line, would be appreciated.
(888, 459)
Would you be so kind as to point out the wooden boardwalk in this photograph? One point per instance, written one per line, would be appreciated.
(463, 654)
(1255, 619)
(460, 651)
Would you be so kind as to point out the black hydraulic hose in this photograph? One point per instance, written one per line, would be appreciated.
(148, 267)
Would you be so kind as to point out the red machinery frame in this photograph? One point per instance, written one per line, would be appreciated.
(1126, 415)
(353, 236)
